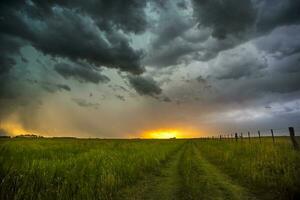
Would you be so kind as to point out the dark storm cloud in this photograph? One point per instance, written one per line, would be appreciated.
(236, 17)
(230, 22)
(82, 74)
(168, 46)
(167, 30)
(182, 5)
(274, 13)
(144, 85)
(182, 40)
(8, 48)
(78, 31)
(225, 17)
(187, 48)
(128, 16)
(6, 90)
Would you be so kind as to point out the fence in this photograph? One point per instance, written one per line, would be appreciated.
(240, 136)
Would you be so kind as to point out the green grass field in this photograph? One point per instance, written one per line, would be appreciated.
(148, 169)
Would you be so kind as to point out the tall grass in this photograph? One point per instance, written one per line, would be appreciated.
(202, 180)
(272, 170)
(98, 169)
(76, 169)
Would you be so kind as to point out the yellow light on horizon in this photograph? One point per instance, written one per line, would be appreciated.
(162, 134)
(13, 128)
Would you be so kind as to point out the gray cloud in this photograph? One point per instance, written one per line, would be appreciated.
(83, 103)
(168, 55)
(50, 87)
(281, 42)
(237, 63)
(167, 30)
(144, 85)
(63, 87)
(56, 87)
(122, 98)
(288, 64)
(83, 74)
(248, 76)
(254, 90)
(182, 5)
(187, 48)
(167, 99)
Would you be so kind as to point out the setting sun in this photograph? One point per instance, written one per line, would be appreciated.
(162, 134)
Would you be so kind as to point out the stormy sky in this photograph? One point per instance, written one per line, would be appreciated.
(117, 68)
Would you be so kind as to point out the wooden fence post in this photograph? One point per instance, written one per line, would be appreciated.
(249, 136)
(292, 135)
(259, 136)
(236, 137)
(273, 136)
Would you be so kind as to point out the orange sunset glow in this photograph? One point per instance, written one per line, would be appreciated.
(13, 128)
(162, 134)
(169, 133)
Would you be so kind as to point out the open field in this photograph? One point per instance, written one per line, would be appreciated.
(148, 169)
